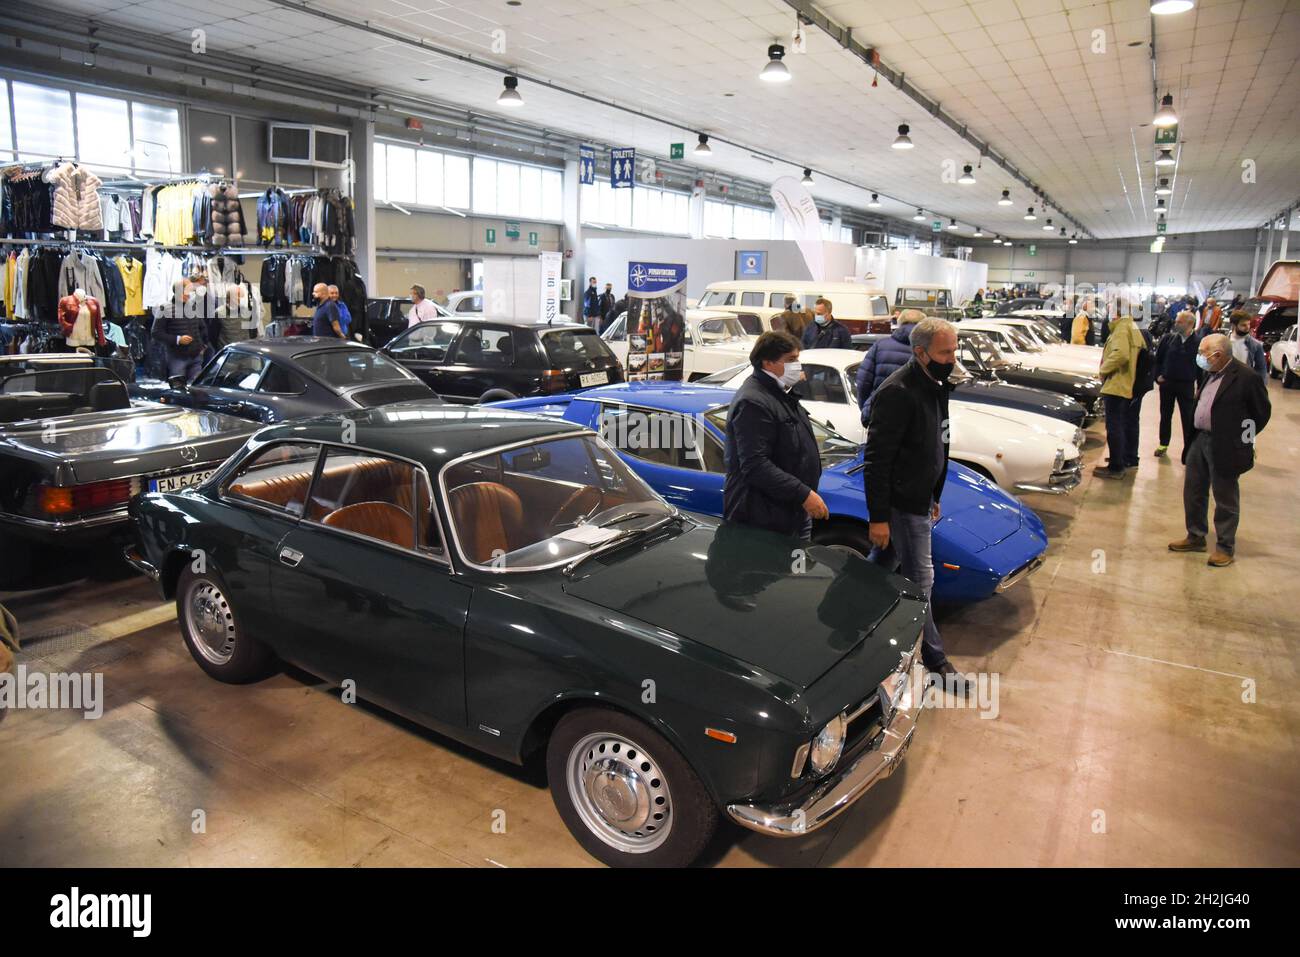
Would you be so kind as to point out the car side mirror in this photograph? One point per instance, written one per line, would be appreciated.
(178, 382)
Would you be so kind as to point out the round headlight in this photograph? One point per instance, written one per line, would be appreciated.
(828, 745)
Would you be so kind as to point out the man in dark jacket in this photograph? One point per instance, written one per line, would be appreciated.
(906, 463)
(1232, 408)
(607, 303)
(824, 332)
(1176, 374)
(591, 304)
(325, 320)
(179, 327)
(773, 463)
(885, 356)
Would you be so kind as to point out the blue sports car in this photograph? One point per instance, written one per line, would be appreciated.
(672, 435)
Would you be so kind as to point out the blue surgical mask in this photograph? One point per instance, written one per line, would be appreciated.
(820, 320)
(1203, 362)
(792, 374)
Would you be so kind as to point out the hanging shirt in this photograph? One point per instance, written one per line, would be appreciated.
(132, 271)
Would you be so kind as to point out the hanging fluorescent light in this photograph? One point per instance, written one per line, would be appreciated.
(1062, 232)
(952, 225)
(1165, 116)
(920, 215)
(510, 95)
(875, 201)
(775, 71)
(1166, 158)
(1006, 198)
(807, 177)
(1162, 8)
(1074, 240)
(1162, 188)
(702, 148)
(1160, 207)
(1030, 215)
(978, 232)
(1048, 227)
(966, 178)
(902, 141)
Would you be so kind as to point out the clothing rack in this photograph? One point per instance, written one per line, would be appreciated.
(207, 251)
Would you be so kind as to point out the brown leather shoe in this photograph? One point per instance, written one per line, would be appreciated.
(1102, 471)
(1188, 544)
(1219, 559)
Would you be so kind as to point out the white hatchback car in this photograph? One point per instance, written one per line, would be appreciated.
(1020, 346)
(1284, 358)
(1020, 451)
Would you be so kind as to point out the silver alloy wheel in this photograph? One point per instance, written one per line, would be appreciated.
(210, 621)
(619, 792)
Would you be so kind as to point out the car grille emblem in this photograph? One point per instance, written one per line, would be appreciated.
(189, 453)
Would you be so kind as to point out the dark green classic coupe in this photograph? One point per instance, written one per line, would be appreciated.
(506, 580)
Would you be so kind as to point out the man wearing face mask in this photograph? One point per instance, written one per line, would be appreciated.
(1176, 374)
(824, 332)
(1245, 347)
(1232, 408)
(773, 462)
(906, 462)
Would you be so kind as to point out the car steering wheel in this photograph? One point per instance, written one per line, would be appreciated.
(576, 504)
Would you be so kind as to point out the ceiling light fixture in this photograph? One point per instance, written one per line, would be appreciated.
(1006, 198)
(1030, 215)
(702, 148)
(1165, 116)
(1160, 207)
(1074, 240)
(1047, 227)
(1166, 158)
(875, 201)
(966, 179)
(952, 225)
(1162, 189)
(807, 177)
(1162, 8)
(510, 95)
(902, 141)
(775, 71)
(920, 215)
(978, 232)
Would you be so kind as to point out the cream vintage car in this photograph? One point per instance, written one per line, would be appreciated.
(1022, 346)
(1020, 451)
(856, 306)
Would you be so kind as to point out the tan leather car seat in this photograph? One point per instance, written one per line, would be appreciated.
(488, 517)
(380, 520)
(276, 490)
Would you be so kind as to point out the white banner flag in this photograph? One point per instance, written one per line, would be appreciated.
(800, 211)
(552, 263)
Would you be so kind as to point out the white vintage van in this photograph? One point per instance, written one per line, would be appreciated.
(860, 308)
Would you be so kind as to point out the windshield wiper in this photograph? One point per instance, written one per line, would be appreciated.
(622, 536)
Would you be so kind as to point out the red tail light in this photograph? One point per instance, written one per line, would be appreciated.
(91, 497)
(554, 380)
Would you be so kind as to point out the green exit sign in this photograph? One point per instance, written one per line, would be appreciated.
(936, 225)
(1162, 227)
(1033, 250)
(512, 230)
(490, 236)
(1167, 135)
(676, 151)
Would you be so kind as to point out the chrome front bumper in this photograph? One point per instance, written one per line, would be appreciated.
(837, 793)
(1020, 574)
(131, 554)
(1060, 483)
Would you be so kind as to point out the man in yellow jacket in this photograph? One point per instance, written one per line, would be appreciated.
(1079, 331)
(1119, 369)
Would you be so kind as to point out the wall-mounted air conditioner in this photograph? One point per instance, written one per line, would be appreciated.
(304, 144)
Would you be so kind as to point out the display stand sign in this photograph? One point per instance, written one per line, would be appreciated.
(751, 264)
(552, 263)
(622, 167)
(587, 165)
(512, 230)
(656, 320)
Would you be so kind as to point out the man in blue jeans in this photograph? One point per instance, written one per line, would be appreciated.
(906, 463)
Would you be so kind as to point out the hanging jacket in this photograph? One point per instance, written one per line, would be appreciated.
(76, 197)
(69, 306)
(227, 216)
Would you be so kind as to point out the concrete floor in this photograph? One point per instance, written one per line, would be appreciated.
(1122, 737)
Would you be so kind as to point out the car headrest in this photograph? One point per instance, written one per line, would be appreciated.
(105, 396)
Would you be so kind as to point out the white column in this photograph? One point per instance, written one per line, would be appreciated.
(697, 213)
(363, 198)
(571, 236)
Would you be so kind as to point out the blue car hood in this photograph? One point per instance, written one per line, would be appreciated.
(975, 514)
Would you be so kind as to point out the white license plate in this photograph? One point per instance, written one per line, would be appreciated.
(594, 378)
(174, 483)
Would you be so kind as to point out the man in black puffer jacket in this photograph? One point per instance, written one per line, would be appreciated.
(773, 463)
(181, 328)
(885, 356)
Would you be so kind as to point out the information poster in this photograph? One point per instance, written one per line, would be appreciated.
(656, 320)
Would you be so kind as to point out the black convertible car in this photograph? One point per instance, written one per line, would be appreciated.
(971, 386)
(271, 380)
(984, 360)
(488, 360)
(507, 580)
(74, 449)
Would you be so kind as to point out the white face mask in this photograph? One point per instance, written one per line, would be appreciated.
(792, 374)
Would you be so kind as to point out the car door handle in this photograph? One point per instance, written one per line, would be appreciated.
(290, 556)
